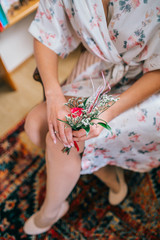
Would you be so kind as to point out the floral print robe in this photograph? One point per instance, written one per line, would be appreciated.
(127, 47)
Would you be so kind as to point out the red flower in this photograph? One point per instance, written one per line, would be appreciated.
(76, 112)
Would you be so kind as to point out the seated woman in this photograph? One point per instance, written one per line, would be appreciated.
(122, 39)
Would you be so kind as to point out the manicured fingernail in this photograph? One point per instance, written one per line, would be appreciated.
(54, 141)
(72, 145)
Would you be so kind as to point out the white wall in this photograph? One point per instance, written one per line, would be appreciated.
(16, 44)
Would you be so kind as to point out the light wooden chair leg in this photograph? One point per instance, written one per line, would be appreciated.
(5, 76)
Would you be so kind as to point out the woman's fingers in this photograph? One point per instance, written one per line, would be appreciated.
(53, 129)
(79, 134)
(68, 133)
(61, 131)
(63, 134)
(52, 132)
(94, 132)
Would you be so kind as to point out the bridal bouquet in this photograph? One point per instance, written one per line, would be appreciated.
(84, 110)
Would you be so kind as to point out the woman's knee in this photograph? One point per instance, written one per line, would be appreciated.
(70, 163)
(32, 128)
(59, 146)
(51, 147)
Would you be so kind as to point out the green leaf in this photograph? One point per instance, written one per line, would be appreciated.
(66, 149)
(87, 129)
(100, 120)
(105, 126)
(84, 103)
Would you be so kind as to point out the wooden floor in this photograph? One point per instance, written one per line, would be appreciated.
(14, 105)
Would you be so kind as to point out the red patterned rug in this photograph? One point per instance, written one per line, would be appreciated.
(22, 190)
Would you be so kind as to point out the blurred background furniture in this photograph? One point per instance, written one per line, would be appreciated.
(15, 41)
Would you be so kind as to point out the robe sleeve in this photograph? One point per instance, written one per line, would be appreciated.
(52, 28)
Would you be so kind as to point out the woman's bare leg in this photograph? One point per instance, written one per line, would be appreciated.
(36, 125)
(63, 170)
(113, 177)
(108, 175)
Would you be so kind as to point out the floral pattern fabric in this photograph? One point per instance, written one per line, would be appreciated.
(129, 45)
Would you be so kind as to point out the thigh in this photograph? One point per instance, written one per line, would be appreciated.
(39, 114)
(36, 125)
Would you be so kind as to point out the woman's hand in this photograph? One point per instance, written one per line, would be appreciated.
(80, 135)
(57, 110)
(95, 129)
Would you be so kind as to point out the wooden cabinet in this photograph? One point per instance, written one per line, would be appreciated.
(18, 15)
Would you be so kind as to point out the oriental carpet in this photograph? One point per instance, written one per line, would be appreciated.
(22, 190)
